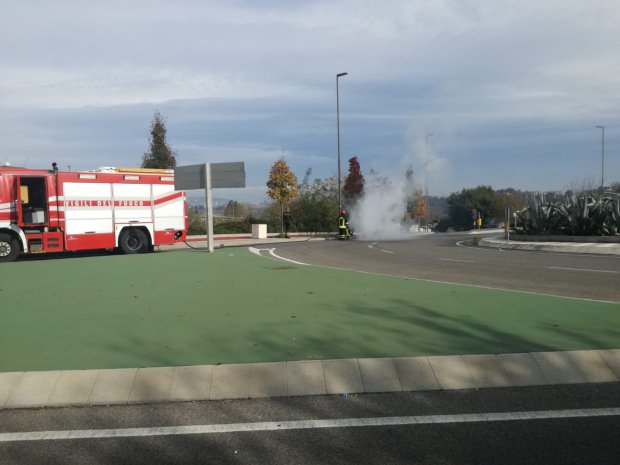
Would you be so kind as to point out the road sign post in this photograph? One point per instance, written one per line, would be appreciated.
(209, 206)
(507, 223)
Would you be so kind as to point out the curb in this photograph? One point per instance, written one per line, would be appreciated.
(565, 247)
(19, 390)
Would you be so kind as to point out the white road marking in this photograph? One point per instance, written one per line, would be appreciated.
(273, 254)
(386, 251)
(307, 424)
(455, 260)
(580, 269)
(256, 251)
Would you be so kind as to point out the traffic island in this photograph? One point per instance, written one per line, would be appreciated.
(602, 248)
(192, 308)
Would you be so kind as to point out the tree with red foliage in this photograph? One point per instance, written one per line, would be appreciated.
(354, 183)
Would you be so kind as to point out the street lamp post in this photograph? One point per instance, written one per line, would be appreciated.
(426, 180)
(339, 75)
(602, 159)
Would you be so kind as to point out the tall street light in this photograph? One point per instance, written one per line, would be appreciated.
(339, 75)
(602, 160)
(426, 181)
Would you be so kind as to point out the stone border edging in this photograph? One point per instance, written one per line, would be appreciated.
(303, 378)
(567, 247)
(577, 239)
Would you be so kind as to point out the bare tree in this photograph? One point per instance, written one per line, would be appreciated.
(583, 185)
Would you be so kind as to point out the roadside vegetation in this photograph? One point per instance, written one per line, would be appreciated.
(312, 204)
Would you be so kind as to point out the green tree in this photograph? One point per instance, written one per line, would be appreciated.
(235, 209)
(196, 222)
(160, 154)
(513, 198)
(282, 186)
(483, 200)
(462, 206)
(314, 209)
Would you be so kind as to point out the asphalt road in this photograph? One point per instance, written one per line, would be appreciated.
(452, 258)
(555, 440)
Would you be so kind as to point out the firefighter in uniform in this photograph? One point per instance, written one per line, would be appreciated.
(343, 226)
(287, 219)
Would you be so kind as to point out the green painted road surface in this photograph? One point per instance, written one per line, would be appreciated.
(191, 308)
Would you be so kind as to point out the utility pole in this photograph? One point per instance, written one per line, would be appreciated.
(426, 182)
(339, 75)
(602, 159)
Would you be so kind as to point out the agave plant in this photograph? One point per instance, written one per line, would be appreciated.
(575, 215)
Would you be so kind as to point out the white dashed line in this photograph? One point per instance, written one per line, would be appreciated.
(580, 269)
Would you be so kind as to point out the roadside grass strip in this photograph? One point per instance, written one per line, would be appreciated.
(193, 308)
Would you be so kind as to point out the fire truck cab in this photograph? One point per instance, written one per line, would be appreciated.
(131, 209)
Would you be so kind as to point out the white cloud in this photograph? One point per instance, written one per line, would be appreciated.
(264, 75)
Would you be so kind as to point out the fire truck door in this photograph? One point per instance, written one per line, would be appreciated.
(32, 201)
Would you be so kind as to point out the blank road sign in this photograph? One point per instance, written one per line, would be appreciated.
(228, 174)
(187, 178)
(223, 175)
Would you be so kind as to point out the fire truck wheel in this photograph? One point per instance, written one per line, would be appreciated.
(9, 248)
(133, 240)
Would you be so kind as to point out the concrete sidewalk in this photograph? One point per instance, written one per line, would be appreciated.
(303, 378)
(566, 247)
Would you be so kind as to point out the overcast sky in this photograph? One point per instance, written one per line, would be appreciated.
(512, 90)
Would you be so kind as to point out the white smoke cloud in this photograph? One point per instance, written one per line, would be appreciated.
(381, 213)
(423, 156)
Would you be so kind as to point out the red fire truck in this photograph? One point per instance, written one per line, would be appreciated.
(50, 211)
